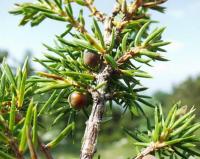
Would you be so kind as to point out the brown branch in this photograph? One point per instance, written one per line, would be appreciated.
(32, 151)
(93, 124)
(139, 3)
(99, 15)
(121, 25)
(131, 15)
(133, 8)
(130, 54)
(147, 151)
(153, 4)
(45, 150)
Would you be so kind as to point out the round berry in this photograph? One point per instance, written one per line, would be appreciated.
(91, 59)
(78, 100)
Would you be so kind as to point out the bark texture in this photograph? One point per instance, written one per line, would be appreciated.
(145, 153)
(93, 124)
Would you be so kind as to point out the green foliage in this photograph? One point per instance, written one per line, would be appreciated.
(60, 137)
(125, 45)
(67, 68)
(172, 135)
(25, 128)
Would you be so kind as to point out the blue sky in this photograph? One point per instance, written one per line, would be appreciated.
(182, 19)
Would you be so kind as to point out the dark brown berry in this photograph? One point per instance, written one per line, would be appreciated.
(78, 100)
(91, 59)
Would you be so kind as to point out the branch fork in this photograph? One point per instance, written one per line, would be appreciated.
(151, 148)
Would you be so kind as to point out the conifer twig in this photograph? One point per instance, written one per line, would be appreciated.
(148, 150)
(44, 150)
(153, 4)
(33, 153)
(98, 14)
(133, 52)
(93, 124)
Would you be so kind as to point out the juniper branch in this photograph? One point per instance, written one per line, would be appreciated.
(114, 59)
(93, 124)
(45, 150)
(33, 153)
(98, 14)
(148, 150)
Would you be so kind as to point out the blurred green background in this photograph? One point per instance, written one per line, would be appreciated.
(178, 79)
